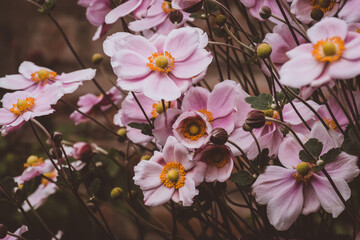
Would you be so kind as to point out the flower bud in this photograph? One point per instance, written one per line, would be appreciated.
(57, 137)
(220, 20)
(145, 157)
(96, 58)
(121, 132)
(264, 50)
(255, 119)
(55, 153)
(82, 151)
(219, 136)
(265, 12)
(246, 128)
(192, 6)
(116, 193)
(176, 16)
(3, 231)
(284, 130)
(317, 14)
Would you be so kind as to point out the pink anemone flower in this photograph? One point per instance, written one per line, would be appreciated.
(89, 103)
(33, 77)
(219, 160)
(171, 174)
(161, 70)
(131, 112)
(137, 7)
(302, 8)
(18, 232)
(332, 54)
(350, 11)
(21, 106)
(96, 10)
(296, 189)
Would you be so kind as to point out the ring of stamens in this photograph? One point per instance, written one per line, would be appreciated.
(50, 175)
(324, 5)
(303, 172)
(193, 128)
(157, 108)
(271, 113)
(216, 157)
(43, 76)
(331, 123)
(33, 161)
(161, 62)
(23, 105)
(166, 7)
(209, 116)
(173, 175)
(328, 50)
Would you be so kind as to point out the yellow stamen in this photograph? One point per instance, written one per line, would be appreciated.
(33, 161)
(193, 128)
(323, 5)
(166, 7)
(331, 123)
(328, 50)
(209, 116)
(50, 175)
(275, 115)
(173, 175)
(358, 30)
(158, 108)
(161, 62)
(43, 76)
(303, 172)
(23, 105)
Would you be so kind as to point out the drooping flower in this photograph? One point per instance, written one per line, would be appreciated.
(89, 104)
(158, 17)
(170, 174)
(20, 106)
(219, 160)
(159, 69)
(302, 8)
(332, 54)
(131, 112)
(297, 189)
(33, 77)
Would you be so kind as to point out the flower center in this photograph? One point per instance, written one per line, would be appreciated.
(331, 123)
(323, 5)
(23, 105)
(161, 62)
(166, 7)
(43, 76)
(33, 161)
(216, 157)
(173, 175)
(329, 49)
(209, 116)
(303, 172)
(193, 128)
(158, 108)
(50, 175)
(271, 113)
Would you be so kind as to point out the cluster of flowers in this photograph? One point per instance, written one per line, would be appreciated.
(199, 132)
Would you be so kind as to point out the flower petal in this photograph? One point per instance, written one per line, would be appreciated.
(158, 196)
(328, 28)
(160, 86)
(122, 10)
(147, 175)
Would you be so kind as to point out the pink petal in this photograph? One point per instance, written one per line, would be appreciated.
(195, 99)
(311, 202)
(158, 196)
(122, 10)
(147, 175)
(293, 118)
(163, 125)
(160, 86)
(222, 99)
(344, 167)
(27, 68)
(6, 116)
(147, 22)
(289, 152)
(328, 28)
(40, 195)
(128, 64)
(302, 10)
(114, 43)
(175, 152)
(344, 69)
(197, 173)
(15, 82)
(226, 123)
(80, 75)
(134, 84)
(352, 46)
(188, 192)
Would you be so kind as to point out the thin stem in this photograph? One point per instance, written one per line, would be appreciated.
(244, 155)
(16, 236)
(256, 141)
(287, 22)
(142, 109)
(237, 40)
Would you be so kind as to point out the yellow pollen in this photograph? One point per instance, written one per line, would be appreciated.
(193, 128)
(323, 5)
(166, 7)
(173, 175)
(43, 76)
(328, 50)
(358, 30)
(331, 123)
(33, 161)
(23, 105)
(303, 172)
(209, 116)
(157, 108)
(161, 62)
(275, 115)
(50, 175)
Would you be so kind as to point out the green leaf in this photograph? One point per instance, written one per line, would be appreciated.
(351, 142)
(145, 128)
(242, 177)
(314, 147)
(331, 155)
(261, 102)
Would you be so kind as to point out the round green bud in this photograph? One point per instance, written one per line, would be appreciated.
(145, 157)
(264, 50)
(96, 58)
(220, 20)
(246, 128)
(116, 193)
(317, 14)
(265, 12)
(121, 132)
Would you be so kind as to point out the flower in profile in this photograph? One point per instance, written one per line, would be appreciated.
(21, 106)
(159, 69)
(219, 160)
(33, 77)
(18, 232)
(96, 10)
(158, 17)
(89, 104)
(297, 188)
(332, 54)
(170, 174)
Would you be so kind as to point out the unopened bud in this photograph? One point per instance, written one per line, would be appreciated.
(55, 153)
(116, 193)
(219, 136)
(96, 58)
(220, 20)
(57, 137)
(264, 50)
(265, 12)
(176, 16)
(317, 14)
(3, 231)
(82, 151)
(121, 132)
(285, 130)
(246, 128)
(145, 157)
(255, 119)
(319, 163)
